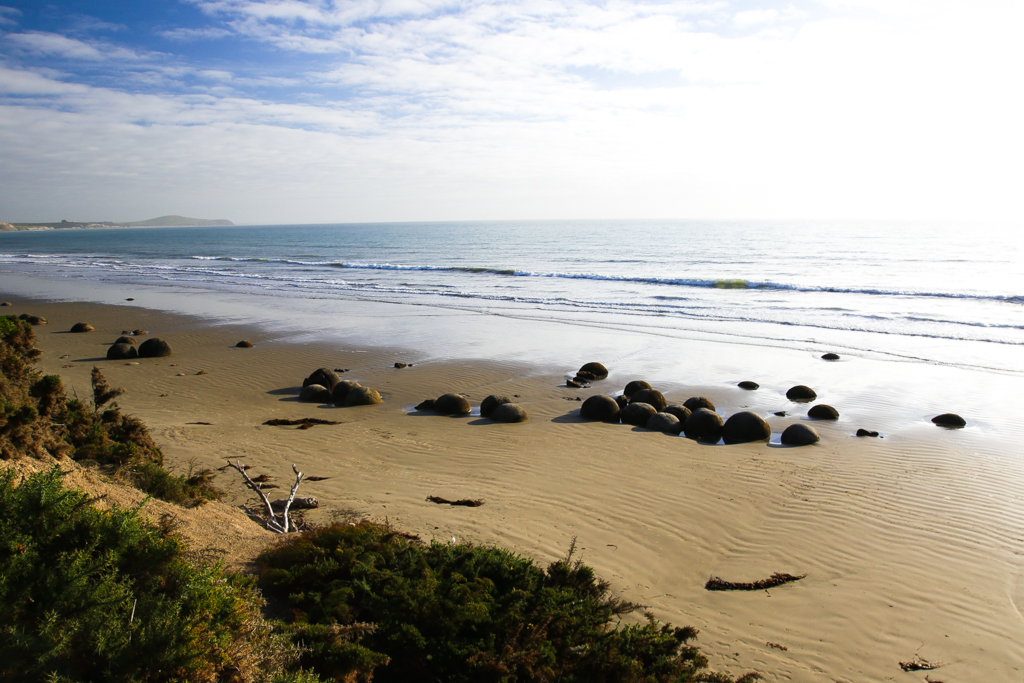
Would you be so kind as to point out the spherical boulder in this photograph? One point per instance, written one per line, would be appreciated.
(800, 435)
(704, 425)
(597, 370)
(452, 404)
(362, 396)
(950, 420)
(140, 333)
(122, 352)
(744, 427)
(244, 344)
(664, 422)
(830, 356)
(680, 411)
(637, 414)
(6, 303)
(36, 320)
(315, 393)
(599, 407)
(341, 390)
(748, 385)
(154, 348)
(635, 386)
(801, 393)
(82, 327)
(488, 405)
(694, 403)
(325, 377)
(651, 396)
(622, 400)
(823, 411)
(126, 340)
(509, 412)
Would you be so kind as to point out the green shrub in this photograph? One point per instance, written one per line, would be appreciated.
(94, 595)
(460, 613)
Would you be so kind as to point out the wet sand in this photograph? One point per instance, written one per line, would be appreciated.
(913, 544)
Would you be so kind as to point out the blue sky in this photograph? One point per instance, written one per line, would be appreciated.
(333, 111)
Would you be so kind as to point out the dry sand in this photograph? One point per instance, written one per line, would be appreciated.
(912, 545)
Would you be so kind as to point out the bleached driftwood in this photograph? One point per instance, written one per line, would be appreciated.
(270, 520)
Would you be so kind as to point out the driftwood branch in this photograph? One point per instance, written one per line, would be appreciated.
(270, 521)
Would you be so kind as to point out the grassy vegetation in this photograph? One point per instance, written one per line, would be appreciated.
(462, 614)
(96, 595)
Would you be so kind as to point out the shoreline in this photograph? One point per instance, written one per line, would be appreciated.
(910, 542)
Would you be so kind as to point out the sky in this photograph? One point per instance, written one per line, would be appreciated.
(304, 111)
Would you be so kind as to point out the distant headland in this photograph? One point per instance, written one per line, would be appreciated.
(161, 222)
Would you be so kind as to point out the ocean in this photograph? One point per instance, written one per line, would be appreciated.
(948, 294)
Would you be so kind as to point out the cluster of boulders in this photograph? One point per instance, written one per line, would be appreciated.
(124, 348)
(32, 319)
(324, 386)
(590, 372)
(494, 407)
(642, 405)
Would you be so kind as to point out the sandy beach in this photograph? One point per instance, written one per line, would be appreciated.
(912, 544)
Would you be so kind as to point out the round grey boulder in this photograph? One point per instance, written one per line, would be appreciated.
(325, 377)
(748, 385)
(635, 386)
(509, 412)
(82, 327)
(823, 411)
(680, 411)
(696, 402)
(637, 414)
(801, 393)
(362, 396)
(800, 435)
(154, 348)
(341, 389)
(744, 427)
(452, 404)
(315, 393)
(122, 352)
(664, 422)
(600, 407)
(488, 405)
(703, 425)
(596, 370)
(126, 340)
(950, 420)
(651, 396)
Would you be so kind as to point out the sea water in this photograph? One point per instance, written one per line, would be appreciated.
(938, 293)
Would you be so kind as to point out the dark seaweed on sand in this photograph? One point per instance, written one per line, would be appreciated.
(304, 423)
(777, 579)
(465, 502)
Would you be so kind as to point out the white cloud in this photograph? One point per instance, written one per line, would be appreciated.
(755, 17)
(56, 45)
(8, 14)
(189, 34)
(492, 110)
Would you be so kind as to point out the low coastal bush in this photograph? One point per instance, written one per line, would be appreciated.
(38, 419)
(461, 614)
(102, 595)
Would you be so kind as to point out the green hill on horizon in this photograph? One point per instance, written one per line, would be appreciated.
(176, 221)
